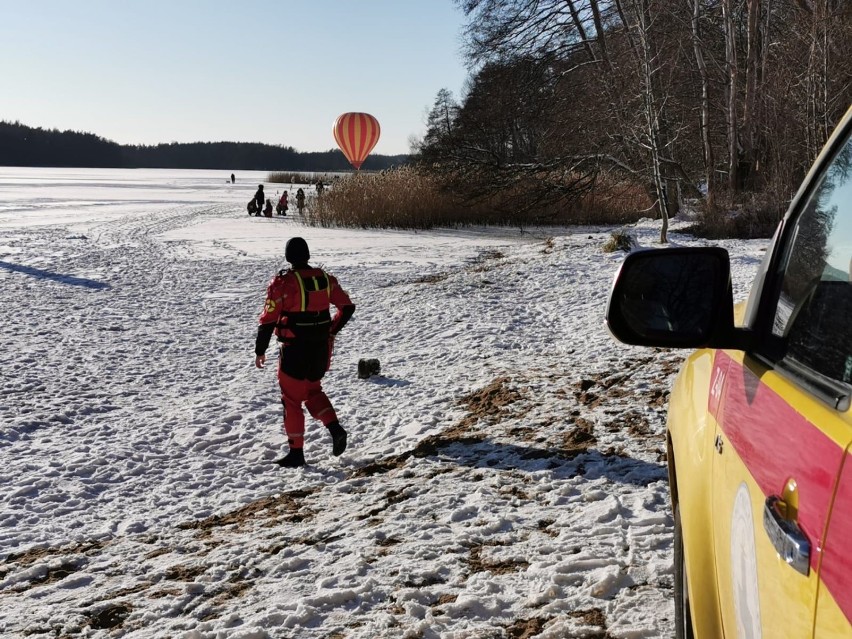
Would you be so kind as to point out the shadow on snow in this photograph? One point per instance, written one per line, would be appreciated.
(56, 277)
(590, 463)
(479, 452)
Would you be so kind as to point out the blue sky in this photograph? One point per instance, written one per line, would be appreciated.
(272, 71)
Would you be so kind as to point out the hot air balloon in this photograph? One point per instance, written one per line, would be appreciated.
(356, 135)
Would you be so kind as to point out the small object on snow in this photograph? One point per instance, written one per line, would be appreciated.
(368, 367)
(620, 240)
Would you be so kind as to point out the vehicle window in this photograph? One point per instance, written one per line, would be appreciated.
(814, 308)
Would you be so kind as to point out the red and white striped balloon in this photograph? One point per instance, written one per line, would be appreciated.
(356, 134)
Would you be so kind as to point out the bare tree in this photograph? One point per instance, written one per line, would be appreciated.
(704, 79)
(564, 88)
(731, 76)
(747, 161)
(651, 105)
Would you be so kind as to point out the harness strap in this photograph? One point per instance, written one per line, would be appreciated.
(315, 286)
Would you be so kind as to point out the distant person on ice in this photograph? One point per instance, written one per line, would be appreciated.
(297, 310)
(259, 197)
(300, 200)
(233, 179)
(282, 204)
(267, 211)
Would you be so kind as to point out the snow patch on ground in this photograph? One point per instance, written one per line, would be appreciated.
(505, 474)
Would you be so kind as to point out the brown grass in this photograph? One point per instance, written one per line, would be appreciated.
(408, 198)
(295, 177)
(619, 240)
(612, 201)
(411, 199)
(393, 199)
(757, 217)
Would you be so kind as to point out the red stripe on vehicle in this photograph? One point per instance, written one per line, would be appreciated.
(836, 570)
(776, 443)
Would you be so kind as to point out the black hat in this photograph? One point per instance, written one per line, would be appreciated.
(296, 251)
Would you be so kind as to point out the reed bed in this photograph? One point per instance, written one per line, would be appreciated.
(612, 201)
(400, 198)
(758, 217)
(296, 177)
(410, 199)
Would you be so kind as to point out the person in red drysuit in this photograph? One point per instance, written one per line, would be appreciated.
(297, 310)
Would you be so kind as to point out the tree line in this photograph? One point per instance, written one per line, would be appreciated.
(22, 145)
(723, 101)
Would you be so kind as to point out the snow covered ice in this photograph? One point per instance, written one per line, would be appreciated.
(505, 474)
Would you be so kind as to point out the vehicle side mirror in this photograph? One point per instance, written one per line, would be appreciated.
(674, 298)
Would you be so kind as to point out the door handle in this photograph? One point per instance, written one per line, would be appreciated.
(785, 534)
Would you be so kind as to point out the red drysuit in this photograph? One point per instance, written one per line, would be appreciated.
(297, 310)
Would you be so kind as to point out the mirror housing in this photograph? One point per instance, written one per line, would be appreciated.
(679, 297)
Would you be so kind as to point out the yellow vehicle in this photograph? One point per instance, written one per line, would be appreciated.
(759, 426)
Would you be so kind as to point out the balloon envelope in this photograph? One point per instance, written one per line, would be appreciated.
(356, 135)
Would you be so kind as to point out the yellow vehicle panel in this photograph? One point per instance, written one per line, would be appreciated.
(740, 434)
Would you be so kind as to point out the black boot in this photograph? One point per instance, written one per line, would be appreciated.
(338, 438)
(293, 459)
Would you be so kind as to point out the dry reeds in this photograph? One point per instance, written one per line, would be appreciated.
(756, 218)
(411, 199)
(620, 240)
(612, 201)
(295, 177)
(400, 198)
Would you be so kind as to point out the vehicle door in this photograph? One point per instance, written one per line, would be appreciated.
(781, 538)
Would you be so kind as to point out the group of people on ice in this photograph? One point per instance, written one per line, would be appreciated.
(261, 205)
